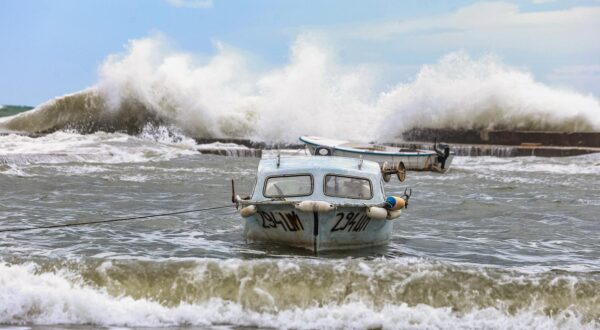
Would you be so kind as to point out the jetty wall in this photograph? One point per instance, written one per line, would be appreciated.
(512, 138)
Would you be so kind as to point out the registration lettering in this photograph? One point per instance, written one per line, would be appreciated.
(351, 222)
(287, 221)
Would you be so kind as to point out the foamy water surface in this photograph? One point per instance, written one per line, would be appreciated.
(495, 243)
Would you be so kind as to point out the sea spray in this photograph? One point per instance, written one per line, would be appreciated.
(223, 96)
(460, 92)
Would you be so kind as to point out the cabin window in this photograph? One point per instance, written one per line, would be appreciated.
(288, 186)
(348, 187)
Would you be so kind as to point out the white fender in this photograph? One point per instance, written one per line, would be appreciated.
(248, 211)
(375, 212)
(311, 206)
(393, 214)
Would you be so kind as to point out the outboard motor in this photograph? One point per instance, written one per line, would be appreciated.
(323, 151)
(442, 153)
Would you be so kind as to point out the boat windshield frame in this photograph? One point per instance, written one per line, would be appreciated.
(266, 180)
(372, 194)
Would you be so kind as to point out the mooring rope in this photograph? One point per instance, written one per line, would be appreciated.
(112, 220)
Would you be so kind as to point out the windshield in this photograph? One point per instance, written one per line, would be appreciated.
(288, 186)
(348, 187)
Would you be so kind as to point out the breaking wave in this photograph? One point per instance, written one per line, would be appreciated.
(100, 147)
(295, 293)
(221, 96)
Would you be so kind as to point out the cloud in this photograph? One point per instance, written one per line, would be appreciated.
(539, 41)
(489, 26)
(539, 2)
(489, 17)
(191, 3)
(582, 77)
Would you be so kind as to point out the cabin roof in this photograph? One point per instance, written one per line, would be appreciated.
(314, 164)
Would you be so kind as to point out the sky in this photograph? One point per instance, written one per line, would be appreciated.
(49, 48)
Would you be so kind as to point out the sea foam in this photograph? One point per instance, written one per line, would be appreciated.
(100, 147)
(31, 294)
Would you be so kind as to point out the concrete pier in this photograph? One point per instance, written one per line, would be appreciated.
(251, 144)
(523, 150)
(511, 138)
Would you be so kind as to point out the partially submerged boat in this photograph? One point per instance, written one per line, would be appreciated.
(436, 160)
(319, 203)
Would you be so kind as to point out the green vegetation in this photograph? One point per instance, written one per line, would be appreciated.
(10, 110)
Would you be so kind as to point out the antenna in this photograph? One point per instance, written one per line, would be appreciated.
(232, 191)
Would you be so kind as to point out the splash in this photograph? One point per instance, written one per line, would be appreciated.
(222, 96)
(464, 93)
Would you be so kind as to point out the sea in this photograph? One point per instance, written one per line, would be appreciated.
(494, 243)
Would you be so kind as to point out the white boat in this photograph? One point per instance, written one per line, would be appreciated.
(437, 160)
(319, 203)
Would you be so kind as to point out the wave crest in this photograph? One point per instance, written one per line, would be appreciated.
(272, 292)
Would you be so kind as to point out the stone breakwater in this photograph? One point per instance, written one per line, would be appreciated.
(497, 137)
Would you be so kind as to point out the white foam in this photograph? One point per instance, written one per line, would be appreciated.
(13, 170)
(80, 170)
(108, 148)
(221, 145)
(134, 178)
(512, 166)
(30, 296)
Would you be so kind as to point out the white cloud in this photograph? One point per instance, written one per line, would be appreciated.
(489, 26)
(539, 41)
(582, 77)
(191, 3)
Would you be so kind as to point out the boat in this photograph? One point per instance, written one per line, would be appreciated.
(436, 160)
(319, 203)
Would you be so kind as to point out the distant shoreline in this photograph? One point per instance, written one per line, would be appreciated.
(11, 110)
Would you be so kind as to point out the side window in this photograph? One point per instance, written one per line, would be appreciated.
(348, 187)
(288, 186)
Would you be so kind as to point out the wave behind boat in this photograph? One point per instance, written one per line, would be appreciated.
(295, 293)
(222, 96)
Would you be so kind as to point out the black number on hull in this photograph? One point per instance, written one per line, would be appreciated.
(287, 221)
(351, 221)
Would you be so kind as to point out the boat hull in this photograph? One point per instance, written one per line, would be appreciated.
(339, 229)
(412, 161)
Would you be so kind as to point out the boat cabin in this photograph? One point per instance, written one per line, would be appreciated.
(319, 203)
(334, 179)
